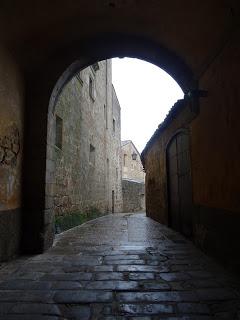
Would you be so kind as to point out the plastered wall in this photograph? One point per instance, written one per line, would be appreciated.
(215, 157)
(11, 132)
(216, 135)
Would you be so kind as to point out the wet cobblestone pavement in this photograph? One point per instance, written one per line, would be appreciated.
(119, 266)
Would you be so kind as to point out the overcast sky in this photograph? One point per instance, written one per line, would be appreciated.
(146, 93)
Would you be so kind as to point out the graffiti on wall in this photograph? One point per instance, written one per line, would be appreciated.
(9, 167)
(10, 147)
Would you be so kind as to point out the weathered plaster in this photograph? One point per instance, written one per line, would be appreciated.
(215, 157)
(11, 124)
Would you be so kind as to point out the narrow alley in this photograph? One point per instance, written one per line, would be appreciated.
(123, 266)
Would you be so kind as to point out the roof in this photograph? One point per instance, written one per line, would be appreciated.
(125, 142)
(172, 114)
(134, 181)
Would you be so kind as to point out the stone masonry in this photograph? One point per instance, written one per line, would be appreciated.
(132, 167)
(133, 193)
(133, 183)
(87, 144)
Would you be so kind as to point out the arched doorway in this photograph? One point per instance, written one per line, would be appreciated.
(179, 183)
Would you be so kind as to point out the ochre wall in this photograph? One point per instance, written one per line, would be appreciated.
(216, 135)
(11, 124)
(215, 157)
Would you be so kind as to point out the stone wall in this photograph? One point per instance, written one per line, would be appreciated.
(87, 165)
(133, 196)
(133, 178)
(116, 162)
(11, 146)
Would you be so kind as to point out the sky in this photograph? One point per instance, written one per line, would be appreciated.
(146, 93)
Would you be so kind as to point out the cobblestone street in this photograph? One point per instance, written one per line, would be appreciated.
(118, 267)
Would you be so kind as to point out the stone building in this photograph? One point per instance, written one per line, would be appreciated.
(133, 183)
(131, 162)
(87, 144)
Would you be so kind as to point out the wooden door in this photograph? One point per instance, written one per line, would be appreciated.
(179, 184)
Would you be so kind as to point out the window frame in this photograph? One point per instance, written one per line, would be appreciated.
(58, 132)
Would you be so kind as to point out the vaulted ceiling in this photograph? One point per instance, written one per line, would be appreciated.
(189, 32)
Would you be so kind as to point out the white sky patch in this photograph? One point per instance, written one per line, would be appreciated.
(146, 93)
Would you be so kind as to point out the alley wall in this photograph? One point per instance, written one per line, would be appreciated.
(213, 128)
(87, 165)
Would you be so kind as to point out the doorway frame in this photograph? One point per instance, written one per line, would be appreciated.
(184, 130)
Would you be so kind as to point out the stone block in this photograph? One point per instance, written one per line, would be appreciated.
(82, 296)
(165, 296)
(145, 309)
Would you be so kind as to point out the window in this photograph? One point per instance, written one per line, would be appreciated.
(113, 201)
(134, 156)
(105, 116)
(78, 76)
(92, 155)
(58, 132)
(114, 126)
(107, 170)
(95, 67)
(91, 88)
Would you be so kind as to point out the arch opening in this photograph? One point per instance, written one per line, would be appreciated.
(88, 95)
(45, 84)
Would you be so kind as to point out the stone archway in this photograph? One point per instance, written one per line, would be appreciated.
(193, 43)
(44, 86)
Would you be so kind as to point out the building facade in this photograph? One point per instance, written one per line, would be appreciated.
(87, 144)
(132, 167)
(133, 183)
